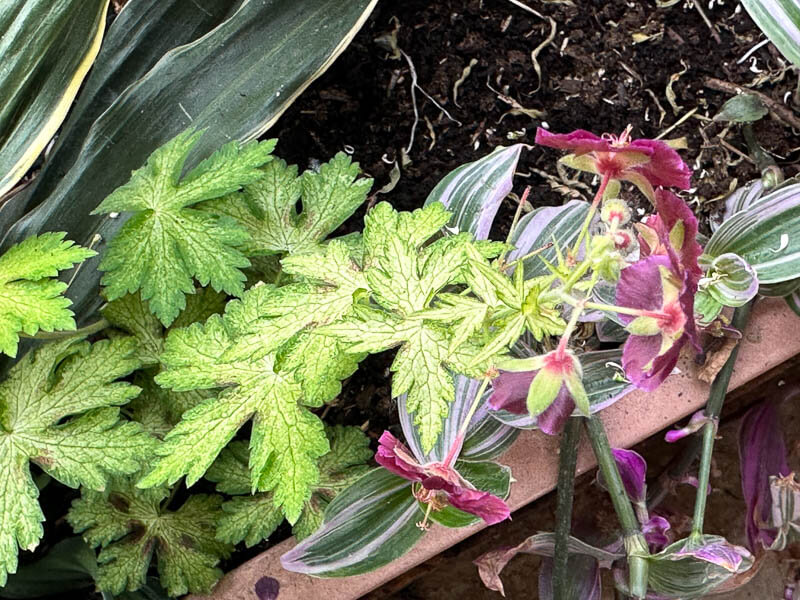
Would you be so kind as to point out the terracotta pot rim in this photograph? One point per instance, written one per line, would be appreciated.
(772, 338)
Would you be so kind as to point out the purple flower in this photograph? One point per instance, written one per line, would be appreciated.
(510, 391)
(554, 387)
(662, 321)
(655, 532)
(762, 454)
(440, 483)
(645, 163)
(633, 471)
(672, 232)
(695, 424)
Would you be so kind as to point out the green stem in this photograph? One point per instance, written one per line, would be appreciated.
(635, 544)
(61, 335)
(716, 397)
(592, 210)
(567, 460)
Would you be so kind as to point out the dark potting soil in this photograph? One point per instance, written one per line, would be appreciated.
(608, 65)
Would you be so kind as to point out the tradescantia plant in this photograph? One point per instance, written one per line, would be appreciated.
(233, 317)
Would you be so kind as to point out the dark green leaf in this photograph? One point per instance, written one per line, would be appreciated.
(744, 108)
(46, 48)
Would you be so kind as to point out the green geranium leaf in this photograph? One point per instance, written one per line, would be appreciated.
(58, 409)
(252, 518)
(268, 207)
(394, 254)
(30, 298)
(174, 244)
(130, 525)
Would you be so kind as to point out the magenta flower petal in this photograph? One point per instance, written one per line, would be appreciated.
(640, 285)
(578, 142)
(633, 471)
(671, 209)
(553, 419)
(655, 533)
(666, 167)
(642, 365)
(394, 456)
(695, 424)
(510, 390)
(762, 453)
(487, 506)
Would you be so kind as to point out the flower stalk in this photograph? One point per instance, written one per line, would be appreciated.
(567, 461)
(635, 543)
(716, 398)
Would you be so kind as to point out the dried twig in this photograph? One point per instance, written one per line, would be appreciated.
(708, 22)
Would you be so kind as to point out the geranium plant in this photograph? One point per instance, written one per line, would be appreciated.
(231, 316)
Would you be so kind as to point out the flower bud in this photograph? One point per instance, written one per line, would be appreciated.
(615, 212)
(696, 423)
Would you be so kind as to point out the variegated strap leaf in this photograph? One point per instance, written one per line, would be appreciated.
(47, 48)
(780, 20)
(473, 192)
(730, 280)
(558, 225)
(766, 235)
(486, 438)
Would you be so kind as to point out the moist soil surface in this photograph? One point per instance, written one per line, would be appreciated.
(485, 73)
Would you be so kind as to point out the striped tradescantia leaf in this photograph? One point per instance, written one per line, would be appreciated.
(551, 224)
(738, 200)
(368, 525)
(234, 82)
(780, 21)
(374, 521)
(730, 280)
(486, 438)
(474, 191)
(602, 378)
(766, 235)
(46, 49)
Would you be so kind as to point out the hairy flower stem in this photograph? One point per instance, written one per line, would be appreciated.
(61, 335)
(455, 449)
(567, 460)
(716, 397)
(635, 544)
(590, 215)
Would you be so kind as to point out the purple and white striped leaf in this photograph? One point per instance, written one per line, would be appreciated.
(473, 192)
(486, 438)
(780, 21)
(550, 224)
(368, 525)
(738, 200)
(730, 280)
(492, 563)
(583, 583)
(762, 454)
(766, 235)
(601, 379)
